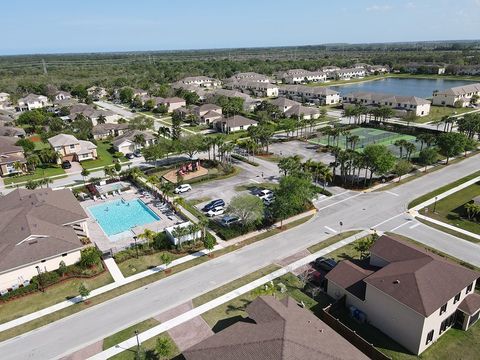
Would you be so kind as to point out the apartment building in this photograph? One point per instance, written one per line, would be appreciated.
(301, 76)
(258, 89)
(456, 96)
(250, 76)
(316, 94)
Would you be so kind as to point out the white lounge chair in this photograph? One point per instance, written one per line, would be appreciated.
(95, 198)
(103, 197)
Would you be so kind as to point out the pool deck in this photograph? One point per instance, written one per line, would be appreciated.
(123, 240)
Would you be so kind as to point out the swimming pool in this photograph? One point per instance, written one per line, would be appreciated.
(117, 216)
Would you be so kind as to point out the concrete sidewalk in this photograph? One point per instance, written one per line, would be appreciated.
(195, 312)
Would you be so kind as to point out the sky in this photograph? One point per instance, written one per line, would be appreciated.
(53, 26)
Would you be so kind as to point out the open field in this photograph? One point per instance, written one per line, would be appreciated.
(438, 112)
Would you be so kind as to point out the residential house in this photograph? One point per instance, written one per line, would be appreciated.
(284, 104)
(316, 94)
(71, 149)
(258, 89)
(401, 104)
(410, 294)
(172, 103)
(303, 112)
(424, 68)
(12, 131)
(103, 131)
(330, 69)
(175, 239)
(378, 69)
(4, 96)
(40, 228)
(97, 92)
(203, 81)
(6, 118)
(93, 114)
(201, 91)
(10, 156)
(62, 95)
(249, 103)
(275, 330)
(459, 95)
(234, 123)
(32, 101)
(126, 143)
(250, 76)
(139, 93)
(470, 70)
(208, 113)
(347, 74)
(301, 76)
(5, 103)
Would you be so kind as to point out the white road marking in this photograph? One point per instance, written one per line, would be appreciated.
(399, 226)
(385, 221)
(414, 225)
(330, 229)
(391, 193)
(324, 197)
(338, 202)
(255, 181)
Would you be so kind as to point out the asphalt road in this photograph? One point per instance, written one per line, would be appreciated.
(382, 210)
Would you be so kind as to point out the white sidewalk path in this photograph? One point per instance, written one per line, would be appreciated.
(148, 334)
(114, 270)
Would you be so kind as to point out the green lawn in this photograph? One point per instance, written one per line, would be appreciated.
(451, 209)
(133, 266)
(442, 189)
(39, 173)
(127, 333)
(28, 304)
(438, 112)
(149, 348)
(105, 156)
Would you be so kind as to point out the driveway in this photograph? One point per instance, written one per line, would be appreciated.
(123, 112)
(75, 169)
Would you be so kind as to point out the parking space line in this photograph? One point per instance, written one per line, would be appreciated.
(414, 225)
(399, 226)
(391, 193)
(330, 229)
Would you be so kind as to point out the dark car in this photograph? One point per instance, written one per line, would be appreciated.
(322, 263)
(137, 153)
(66, 164)
(228, 220)
(213, 204)
(129, 156)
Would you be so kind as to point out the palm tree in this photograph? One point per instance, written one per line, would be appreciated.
(139, 140)
(148, 235)
(109, 171)
(84, 174)
(163, 131)
(353, 140)
(33, 161)
(46, 181)
(166, 187)
(18, 166)
(401, 144)
(101, 119)
(409, 149)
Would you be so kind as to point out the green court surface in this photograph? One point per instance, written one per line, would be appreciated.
(368, 136)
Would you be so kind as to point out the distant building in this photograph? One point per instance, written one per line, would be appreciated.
(10, 155)
(250, 76)
(347, 74)
(234, 123)
(172, 103)
(203, 81)
(256, 88)
(316, 94)
(93, 114)
(40, 228)
(249, 103)
(459, 95)
(71, 149)
(425, 68)
(275, 330)
(301, 76)
(401, 104)
(62, 95)
(408, 293)
(97, 92)
(33, 101)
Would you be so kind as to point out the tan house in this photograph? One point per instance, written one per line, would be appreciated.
(459, 95)
(40, 228)
(10, 155)
(410, 294)
(402, 105)
(103, 131)
(172, 103)
(208, 113)
(71, 149)
(234, 123)
(126, 143)
(275, 330)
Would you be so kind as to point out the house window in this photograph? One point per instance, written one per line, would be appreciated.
(72, 146)
(469, 288)
(64, 254)
(429, 337)
(457, 297)
(443, 309)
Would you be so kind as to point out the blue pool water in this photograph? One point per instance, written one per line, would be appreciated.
(118, 216)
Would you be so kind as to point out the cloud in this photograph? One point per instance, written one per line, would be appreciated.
(379, 8)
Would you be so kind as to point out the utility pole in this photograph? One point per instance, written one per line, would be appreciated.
(44, 67)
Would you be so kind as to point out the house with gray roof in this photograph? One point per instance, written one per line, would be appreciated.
(275, 330)
(70, 148)
(409, 293)
(40, 228)
(12, 131)
(250, 76)
(316, 94)
(301, 76)
(103, 131)
(93, 114)
(459, 95)
(32, 101)
(127, 143)
(401, 104)
(255, 88)
(233, 124)
(12, 157)
(203, 81)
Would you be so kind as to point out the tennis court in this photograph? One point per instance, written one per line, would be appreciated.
(368, 136)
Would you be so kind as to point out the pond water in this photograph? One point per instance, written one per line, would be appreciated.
(423, 88)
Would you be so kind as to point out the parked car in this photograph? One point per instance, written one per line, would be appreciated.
(325, 264)
(66, 164)
(129, 156)
(182, 188)
(267, 201)
(137, 153)
(228, 220)
(217, 210)
(265, 193)
(212, 204)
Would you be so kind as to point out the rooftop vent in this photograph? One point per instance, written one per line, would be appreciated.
(396, 282)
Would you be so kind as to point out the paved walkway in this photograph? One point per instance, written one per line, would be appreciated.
(195, 312)
(114, 270)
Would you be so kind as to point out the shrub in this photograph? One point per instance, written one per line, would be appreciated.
(89, 257)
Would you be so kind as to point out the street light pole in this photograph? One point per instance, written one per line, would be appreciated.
(138, 343)
(435, 205)
(40, 278)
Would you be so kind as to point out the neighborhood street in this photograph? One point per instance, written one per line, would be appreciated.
(384, 211)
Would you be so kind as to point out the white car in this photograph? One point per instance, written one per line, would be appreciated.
(264, 194)
(182, 188)
(218, 210)
(268, 200)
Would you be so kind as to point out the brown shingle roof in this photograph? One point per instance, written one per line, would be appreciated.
(42, 213)
(471, 304)
(279, 330)
(350, 276)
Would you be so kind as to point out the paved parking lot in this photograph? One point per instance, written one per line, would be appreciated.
(305, 150)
